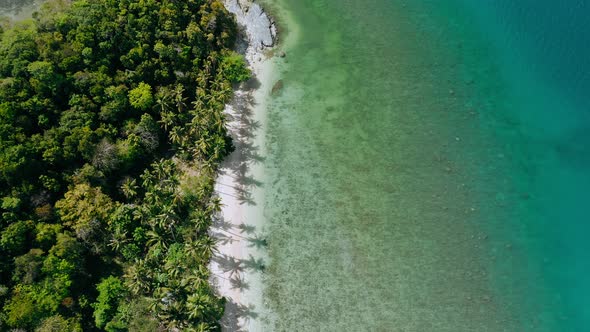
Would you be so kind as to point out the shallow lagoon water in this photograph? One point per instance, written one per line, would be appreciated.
(428, 167)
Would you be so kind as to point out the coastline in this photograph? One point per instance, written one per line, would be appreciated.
(239, 261)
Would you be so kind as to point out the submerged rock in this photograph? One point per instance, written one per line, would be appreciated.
(277, 87)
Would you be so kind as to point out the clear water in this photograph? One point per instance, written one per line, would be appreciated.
(428, 167)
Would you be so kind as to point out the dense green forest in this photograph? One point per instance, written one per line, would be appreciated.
(111, 130)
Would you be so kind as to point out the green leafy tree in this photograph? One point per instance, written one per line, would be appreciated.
(10, 203)
(86, 210)
(67, 248)
(14, 238)
(27, 268)
(24, 310)
(43, 77)
(110, 291)
(141, 97)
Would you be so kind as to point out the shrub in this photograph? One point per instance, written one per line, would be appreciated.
(234, 67)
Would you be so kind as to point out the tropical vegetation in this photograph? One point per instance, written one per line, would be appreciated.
(111, 131)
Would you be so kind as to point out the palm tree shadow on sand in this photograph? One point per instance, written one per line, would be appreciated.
(242, 127)
(237, 315)
(235, 311)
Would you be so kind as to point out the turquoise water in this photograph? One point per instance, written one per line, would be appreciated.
(429, 166)
(543, 49)
(544, 52)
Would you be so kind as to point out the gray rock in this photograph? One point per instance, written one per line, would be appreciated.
(260, 26)
(260, 29)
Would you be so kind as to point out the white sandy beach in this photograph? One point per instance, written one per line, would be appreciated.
(238, 264)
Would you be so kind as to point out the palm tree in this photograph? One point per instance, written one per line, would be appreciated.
(168, 166)
(201, 220)
(179, 99)
(129, 188)
(118, 239)
(194, 279)
(138, 277)
(163, 99)
(216, 84)
(167, 119)
(176, 136)
(156, 240)
(203, 144)
(198, 104)
(139, 213)
(161, 169)
(218, 121)
(195, 306)
(167, 219)
(147, 179)
(192, 250)
(152, 198)
(214, 205)
(174, 269)
(207, 245)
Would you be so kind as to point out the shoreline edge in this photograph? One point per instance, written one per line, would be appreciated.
(237, 265)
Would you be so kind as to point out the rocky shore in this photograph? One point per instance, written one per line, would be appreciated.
(259, 28)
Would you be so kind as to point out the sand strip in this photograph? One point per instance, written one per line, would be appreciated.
(240, 260)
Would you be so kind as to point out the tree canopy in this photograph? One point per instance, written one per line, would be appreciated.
(103, 104)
